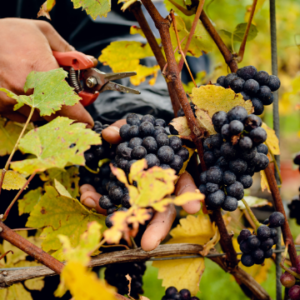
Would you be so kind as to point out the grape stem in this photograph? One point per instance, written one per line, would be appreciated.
(179, 46)
(251, 214)
(296, 275)
(244, 41)
(17, 197)
(15, 148)
(193, 28)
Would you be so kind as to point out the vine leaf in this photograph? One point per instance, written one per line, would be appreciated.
(60, 215)
(94, 8)
(200, 42)
(46, 8)
(154, 187)
(239, 31)
(51, 91)
(75, 276)
(212, 99)
(272, 140)
(264, 182)
(51, 144)
(9, 133)
(126, 4)
(29, 201)
(87, 245)
(67, 177)
(186, 273)
(17, 259)
(61, 189)
(253, 202)
(124, 56)
(83, 284)
(13, 181)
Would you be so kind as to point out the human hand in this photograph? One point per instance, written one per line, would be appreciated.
(161, 223)
(27, 46)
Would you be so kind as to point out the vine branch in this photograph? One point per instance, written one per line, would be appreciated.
(286, 231)
(137, 255)
(135, 8)
(228, 56)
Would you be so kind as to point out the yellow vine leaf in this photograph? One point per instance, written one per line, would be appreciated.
(272, 140)
(46, 8)
(61, 189)
(153, 189)
(258, 272)
(201, 42)
(264, 182)
(136, 30)
(9, 133)
(186, 273)
(124, 56)
(126, 4)
(191, 152)
(87, 245)
(83, 284)
(51, 146)
(212, 99)
(205, 121)
(27, 203)
(212, 242)
(94, 8)
(35, 284)
(60, 215)
(67, 177)
(13, 181)
(182, 127)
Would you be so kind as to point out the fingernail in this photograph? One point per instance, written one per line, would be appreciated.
(89, 202)
(114, 128)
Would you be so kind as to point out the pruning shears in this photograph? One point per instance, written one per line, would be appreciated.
(88, 81)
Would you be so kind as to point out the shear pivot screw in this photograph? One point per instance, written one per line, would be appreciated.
(91, 82)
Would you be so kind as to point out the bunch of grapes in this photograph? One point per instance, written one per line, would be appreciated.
(115, 276)
(173, 294)
(253, 85)
(257, 247)
(289, 281)
(147, 138)
(232, 156)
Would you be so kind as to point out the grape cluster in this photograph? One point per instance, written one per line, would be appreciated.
(257, 247)
(232, 156)
(115, 276)
(172, 293)
(289, 281)
(253, 85)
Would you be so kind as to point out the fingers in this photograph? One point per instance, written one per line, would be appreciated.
(187, 184)
(158, 228)
(90, 198)
(111, 134)
(56, 42)
(76, 112)
(14, 116)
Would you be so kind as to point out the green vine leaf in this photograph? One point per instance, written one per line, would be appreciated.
(55, 145)
(51, 91)
(29, 201)
(239, 31)
(60, 215)
(94, 8)
(9, 133)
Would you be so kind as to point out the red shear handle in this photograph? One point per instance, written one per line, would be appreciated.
(76, 60)
(87, 98)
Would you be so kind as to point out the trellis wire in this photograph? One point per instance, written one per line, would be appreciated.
(276, 128)
(163, 258)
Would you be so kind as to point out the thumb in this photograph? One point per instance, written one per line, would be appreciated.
(56, 42)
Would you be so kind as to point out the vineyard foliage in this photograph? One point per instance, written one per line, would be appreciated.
(68, 230)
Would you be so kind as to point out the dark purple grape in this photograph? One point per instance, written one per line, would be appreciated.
(148, 118)
(209, 158)
(251, 86)
(202, 189)
(246, 181)
(222, 163)
(245, 96)
(176, 163)
(262, 77)
(258, 106)
(264, 94)
(175, 143)
(220, 81)
(237, 84)
(134, 142)
(150, 144)
(211, 187)
(124, 132)
(219, 119)
(294, 292)
(228, 151)
(276, 219)
(229, 178)
(238, 166)
(236, 127)
(216, 141)
(228, 79)
(185, 294)
(253, 242)
(247, 72)
(160, 122)
(152, 160)
(245, 143)
(247, 260)
(287, 279)
(170, 292)
(225, 131)
(252, 122)
(258, 135)
(244, 234)
(230, 203)
(165, 154)
(267, 244)
(258, 255)
(244, 247)
(105, 202)
(268, 253)
(262, 148)
(235, 190)
(130, 163)
(133, 131)
(146, 129)
(214, 175)
(274, 83)
(125, 201)
(108, 221)
(263, 232)
(216, 199)
(159, 130)
(183, 153)
(237, 113)
(133, 119)
(162, 140)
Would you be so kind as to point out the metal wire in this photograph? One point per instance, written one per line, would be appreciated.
(165, 258)
(276, 127)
